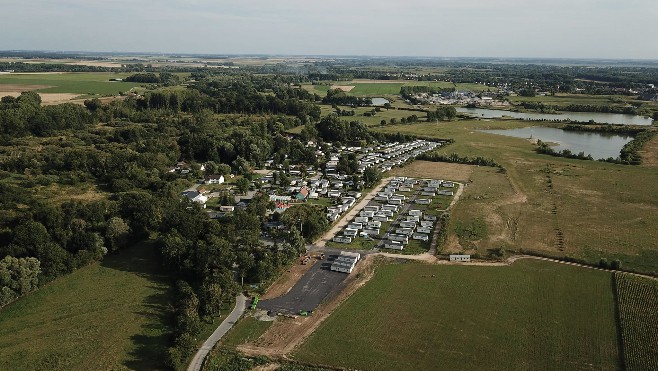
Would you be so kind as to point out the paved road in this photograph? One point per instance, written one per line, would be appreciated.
(221, 330)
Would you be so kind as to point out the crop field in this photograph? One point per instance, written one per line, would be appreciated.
(83, 83)
(638, 312)
(111, 315)
(600, 209)
(532, 315)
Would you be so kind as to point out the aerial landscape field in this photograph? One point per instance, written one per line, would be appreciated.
(314, 186)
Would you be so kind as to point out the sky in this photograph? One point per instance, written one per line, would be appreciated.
(609, 29)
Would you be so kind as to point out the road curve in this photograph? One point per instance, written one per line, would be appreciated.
(221, 330)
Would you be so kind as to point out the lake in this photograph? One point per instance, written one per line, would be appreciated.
(603, 118)
(599, 145)
(379, 101)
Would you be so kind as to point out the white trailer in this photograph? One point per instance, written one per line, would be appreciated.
(399, 238)
(420, 236)
(361, 219)
(404, 231)
(406, 224)
(342, 239)
(394, 245)
(374, 224)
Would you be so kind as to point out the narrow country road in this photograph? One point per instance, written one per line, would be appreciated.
(221, 330)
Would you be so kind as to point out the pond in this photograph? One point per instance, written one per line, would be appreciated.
(603, 118)
(599, 145)
(379, 101)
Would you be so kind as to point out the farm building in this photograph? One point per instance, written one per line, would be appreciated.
(460, 258)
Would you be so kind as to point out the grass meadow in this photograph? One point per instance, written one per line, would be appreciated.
(532, 315)
(600, 209)
(110, 315)
(84, 83)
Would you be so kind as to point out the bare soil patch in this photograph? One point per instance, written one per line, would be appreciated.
(18, 88)
(650, 153)
(46, 98)
(345, 88)
(435, 170)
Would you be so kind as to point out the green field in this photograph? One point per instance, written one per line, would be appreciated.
(383, 87)
(87, 83)
(246, 330)
(638, 312)
(110, 315)
(601, 209)
(532, 315)
(383, 114)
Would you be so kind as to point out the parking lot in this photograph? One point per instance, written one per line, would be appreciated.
(311, 289)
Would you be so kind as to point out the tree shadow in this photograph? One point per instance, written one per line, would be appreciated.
(150, 345)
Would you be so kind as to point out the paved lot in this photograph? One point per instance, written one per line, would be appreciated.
(309, 291)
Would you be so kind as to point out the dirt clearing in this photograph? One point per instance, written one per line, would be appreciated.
(435, 170)
(46, 98)
(345, 88)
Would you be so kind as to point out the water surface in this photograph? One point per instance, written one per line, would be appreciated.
(599, 145)
(602, 118)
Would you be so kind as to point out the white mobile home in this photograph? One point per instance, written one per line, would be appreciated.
(342, 239)
(420, 236)
(415, 212)
(374, 224)
(349, 232)
(367, 214)
(406, 224)
(426, 224)
(361, 219)
(404, 231)
(424, 230)
(355, 226)
(394, 245)
(460, 258)
(399, 238)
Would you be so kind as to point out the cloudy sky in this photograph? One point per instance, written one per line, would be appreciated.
(623, 29)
